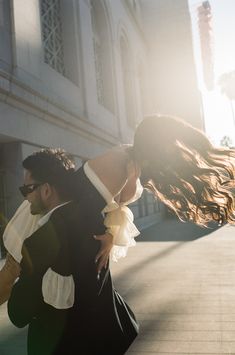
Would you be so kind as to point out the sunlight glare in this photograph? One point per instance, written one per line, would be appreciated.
(218, 110)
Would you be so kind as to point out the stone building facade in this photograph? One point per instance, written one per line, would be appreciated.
(78, 74)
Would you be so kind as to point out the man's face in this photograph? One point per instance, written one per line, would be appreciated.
(35, 198)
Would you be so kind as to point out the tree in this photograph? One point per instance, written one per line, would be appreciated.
(206, 43)
(226, 141)
(227, 87)
(227, 84)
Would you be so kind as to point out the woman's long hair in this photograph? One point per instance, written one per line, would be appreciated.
(184, 170)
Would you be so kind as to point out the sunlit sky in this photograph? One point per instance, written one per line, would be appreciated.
(218, 111)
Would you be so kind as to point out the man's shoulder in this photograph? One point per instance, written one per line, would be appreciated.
(66, 210)
(56, 225)
(67, 217)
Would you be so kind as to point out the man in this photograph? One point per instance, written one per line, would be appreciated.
(45, 189)
(68, 308)
(21, 226)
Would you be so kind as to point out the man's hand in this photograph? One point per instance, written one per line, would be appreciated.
(12, 267)
(103, 255)
(8, 275)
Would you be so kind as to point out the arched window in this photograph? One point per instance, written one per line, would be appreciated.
(52, 34)
(5, 35)
(103, 56)
(3, 219)
(134, 5)
(135, 8)
(127, 82)
(142, 89)
(59, 37)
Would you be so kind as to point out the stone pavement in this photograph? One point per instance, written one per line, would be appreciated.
(12, 339)
(183, 293)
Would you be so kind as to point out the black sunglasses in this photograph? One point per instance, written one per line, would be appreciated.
(27, 189)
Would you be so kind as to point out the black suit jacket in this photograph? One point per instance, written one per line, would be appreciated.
(65, 244)
(100, 322)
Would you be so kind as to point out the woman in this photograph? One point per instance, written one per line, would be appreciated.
(185, 171)
(173, 160)
(178, 164)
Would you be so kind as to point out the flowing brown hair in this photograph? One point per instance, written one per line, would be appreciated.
(184, 170)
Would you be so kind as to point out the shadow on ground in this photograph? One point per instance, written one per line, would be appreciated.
(14, 343)
(174, 230)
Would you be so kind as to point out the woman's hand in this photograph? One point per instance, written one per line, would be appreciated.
(103, 255)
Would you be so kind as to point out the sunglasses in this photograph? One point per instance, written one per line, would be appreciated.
(27, 189)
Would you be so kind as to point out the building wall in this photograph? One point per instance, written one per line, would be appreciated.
(118, 61)
(173, 86)
(46, 106)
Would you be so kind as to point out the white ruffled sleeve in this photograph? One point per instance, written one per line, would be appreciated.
(119, 223)
(118, 217)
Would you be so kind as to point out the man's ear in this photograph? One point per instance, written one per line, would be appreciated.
(47, 190)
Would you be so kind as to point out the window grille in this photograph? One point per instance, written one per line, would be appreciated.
(98, 68)
(3, 219)
(127, 83)
(98, 58)
(52, 34)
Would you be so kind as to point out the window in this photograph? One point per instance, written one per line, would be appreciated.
(142, 89)
(5, 35)
(52, 34)
(134, 5)
(102, 55)
(3, 220)
(60, 37)
(127, 83)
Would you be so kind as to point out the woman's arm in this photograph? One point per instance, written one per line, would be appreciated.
(8, 274)
(129, 190)
(119, 174)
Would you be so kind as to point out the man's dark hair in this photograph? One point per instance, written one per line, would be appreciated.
(53, 166)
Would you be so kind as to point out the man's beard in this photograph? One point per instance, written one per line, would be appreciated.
(38, 207)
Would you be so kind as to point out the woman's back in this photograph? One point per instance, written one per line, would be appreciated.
(117, 172)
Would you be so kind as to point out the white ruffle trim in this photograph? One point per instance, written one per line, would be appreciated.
(119, 223)
(119, 218)
(21, 226)
(57, 290)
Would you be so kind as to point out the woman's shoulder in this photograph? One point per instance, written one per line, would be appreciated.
(111, 168)
(113, 159)
(122, 149)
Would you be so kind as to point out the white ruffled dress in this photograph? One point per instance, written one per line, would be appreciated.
(58, 290)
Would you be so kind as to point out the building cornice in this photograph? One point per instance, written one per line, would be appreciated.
(19, 95)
